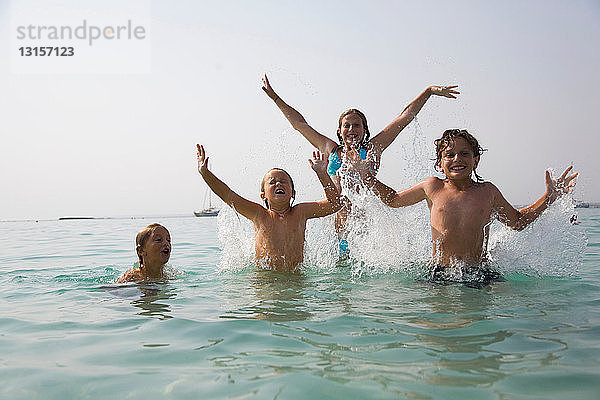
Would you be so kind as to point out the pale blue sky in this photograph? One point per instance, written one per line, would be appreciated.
(107, 144)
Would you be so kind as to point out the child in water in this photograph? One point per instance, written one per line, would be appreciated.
(280, 227)
(153, 247)
(353, 135)
(461, 209)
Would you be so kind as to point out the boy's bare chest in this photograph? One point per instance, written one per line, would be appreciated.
(282, 227)
(457, 206)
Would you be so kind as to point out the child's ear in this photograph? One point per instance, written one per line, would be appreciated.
(264, 199)
(476, 162)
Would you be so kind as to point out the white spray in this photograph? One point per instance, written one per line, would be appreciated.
(384, 240)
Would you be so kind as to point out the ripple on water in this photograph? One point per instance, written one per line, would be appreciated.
(68, 331)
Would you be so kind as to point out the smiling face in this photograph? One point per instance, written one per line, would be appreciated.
(156, 250)
(352, 130)
(277, 188)
(458, 160)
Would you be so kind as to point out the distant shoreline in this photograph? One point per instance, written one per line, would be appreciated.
(582, 204)
(99, 218)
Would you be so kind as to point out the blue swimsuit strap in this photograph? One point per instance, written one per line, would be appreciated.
(334, 163)
(334, 159)
(362, 153)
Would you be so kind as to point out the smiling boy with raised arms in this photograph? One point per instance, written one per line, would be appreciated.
(461, 208)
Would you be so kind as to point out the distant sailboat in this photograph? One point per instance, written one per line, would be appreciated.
(210, 211)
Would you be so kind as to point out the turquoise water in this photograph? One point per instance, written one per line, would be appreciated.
(66, 331)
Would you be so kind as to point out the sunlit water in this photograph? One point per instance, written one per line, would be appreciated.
(368, 329)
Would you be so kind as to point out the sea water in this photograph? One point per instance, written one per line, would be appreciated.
(366, 326)
(364, 329)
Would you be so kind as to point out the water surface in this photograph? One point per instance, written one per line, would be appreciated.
(67, 331)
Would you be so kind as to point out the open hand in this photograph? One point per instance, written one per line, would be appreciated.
(564, 184)
(202, 159)
(445, 91)
(268, 89)
(319, 162)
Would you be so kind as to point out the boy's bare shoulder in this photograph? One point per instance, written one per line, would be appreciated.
(300, 210)
(262, 214)
(433, 182)
(489, 186)
(489, 190)
(133, 275)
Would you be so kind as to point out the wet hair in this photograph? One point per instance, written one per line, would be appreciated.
(262, 183)
(142, 237)
(448, 138)
(350, 111)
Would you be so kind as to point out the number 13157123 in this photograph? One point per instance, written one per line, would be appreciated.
(46, 51)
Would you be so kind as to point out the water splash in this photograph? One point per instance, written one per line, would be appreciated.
(236, 236)
(321, 245)
(550, 246)
(383, 240)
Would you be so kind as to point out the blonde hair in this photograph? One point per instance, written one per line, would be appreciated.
(262, 183)
(142, 237)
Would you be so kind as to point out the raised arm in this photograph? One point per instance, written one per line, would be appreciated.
(404, 198)
(519, 219)
(321, 142)
(334, 199)
(245, 207)
(383, 139)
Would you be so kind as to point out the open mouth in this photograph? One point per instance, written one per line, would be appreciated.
(166, 252)
(279, 191)
(458, 168)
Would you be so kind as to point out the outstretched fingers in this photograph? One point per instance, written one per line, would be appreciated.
(311, 162)
(451, 90)
(566, 182)
(266, 87)
(202, 159)
(318, 162)
(571, 181)
(448, 91)
(564, 174)
(201, 154)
